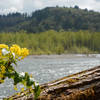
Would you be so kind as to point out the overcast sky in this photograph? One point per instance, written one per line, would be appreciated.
(7, 6)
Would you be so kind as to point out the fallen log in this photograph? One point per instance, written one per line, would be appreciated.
(84, 85)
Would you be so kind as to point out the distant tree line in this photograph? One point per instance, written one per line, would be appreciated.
(51, 18)
(53, 42)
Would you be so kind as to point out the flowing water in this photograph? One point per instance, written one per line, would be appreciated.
(47, 68)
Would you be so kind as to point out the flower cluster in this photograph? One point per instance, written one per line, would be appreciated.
(9, 56)
(14, 50)
(2, 46)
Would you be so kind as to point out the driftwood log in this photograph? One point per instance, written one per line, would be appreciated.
(84, 85)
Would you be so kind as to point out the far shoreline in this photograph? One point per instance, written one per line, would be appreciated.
(65, 56)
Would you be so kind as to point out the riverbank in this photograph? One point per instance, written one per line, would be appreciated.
(55, 56)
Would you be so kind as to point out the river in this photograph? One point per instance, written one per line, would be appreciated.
(47, 68)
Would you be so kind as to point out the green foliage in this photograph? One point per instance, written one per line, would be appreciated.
(37, 91)
(56, 18)
(8, 57)
(53, 42)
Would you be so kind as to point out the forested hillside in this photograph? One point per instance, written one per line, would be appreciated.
(56, 18)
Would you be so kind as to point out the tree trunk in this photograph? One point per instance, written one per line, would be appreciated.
(84, 85)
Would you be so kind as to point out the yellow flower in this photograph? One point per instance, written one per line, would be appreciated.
(15, 49)
(3, 46)
(24, 52)
(0, 52)
(1, 75)
(2, 69)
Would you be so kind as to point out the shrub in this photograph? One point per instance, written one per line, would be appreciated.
(10, 56)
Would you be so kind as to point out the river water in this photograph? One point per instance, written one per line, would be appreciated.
(47, 68)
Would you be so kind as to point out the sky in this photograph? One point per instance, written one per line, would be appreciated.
(29, 6)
